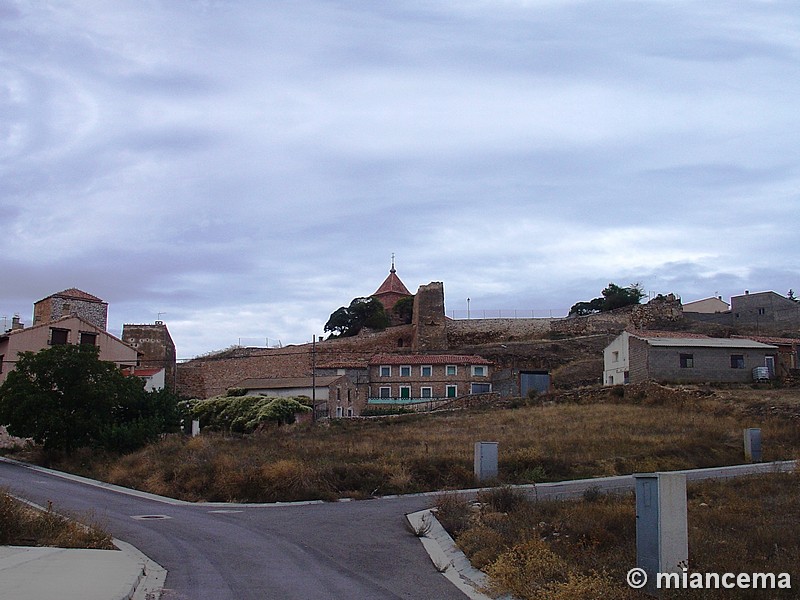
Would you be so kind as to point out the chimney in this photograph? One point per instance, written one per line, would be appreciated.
(15, 324)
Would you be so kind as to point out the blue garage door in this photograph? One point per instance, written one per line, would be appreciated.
(534, 380)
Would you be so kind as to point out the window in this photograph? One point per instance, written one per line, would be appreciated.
(386, 371)
(762, 311)
(737, 361)
(405, 371)
(386, 392)
(426, 370)
(452, 391)
(426, 392)
(687, 361)
(478, 371)
(349, 412)
(480, 388)
(451, 370)
(58, 337)
(88, 339)
(405, 391)
(338, 412)
(615, 356)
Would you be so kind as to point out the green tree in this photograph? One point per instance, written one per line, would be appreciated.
(362, 312)
(613, 297)
(404, 309)
(65, 398)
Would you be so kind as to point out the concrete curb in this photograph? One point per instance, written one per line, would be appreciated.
(445, 555)
(151, 581)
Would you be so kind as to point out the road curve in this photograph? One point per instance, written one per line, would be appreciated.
(340, 550)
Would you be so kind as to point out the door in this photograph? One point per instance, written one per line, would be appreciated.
(533, 380)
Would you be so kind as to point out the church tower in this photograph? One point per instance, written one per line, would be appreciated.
(391, 290)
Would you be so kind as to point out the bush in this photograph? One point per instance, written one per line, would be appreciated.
(244, 414)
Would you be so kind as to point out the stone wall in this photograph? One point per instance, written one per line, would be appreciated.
(212, 375)
(473, 332)
(429, 322)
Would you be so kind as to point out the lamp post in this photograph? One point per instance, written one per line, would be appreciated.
(468, 309)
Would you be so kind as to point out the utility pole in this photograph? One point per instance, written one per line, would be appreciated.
(314, 378)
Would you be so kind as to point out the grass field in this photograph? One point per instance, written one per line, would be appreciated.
(585, 433)
(22, 525)
(582, 550)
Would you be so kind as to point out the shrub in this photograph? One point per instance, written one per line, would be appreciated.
(526, 569)
(453, 513)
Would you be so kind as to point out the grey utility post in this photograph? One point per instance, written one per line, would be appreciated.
(662, 533)
(485, 460)
(752, 444)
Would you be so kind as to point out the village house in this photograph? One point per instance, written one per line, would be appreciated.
(406, 379)
(154, 378)
(676, 357)
(64, 330)
(333, 395)
(712, 305)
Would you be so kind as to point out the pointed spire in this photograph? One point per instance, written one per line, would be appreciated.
(392, 270)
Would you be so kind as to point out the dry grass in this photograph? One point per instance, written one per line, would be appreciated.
(22, 525)
(583, 549)
(645, 429)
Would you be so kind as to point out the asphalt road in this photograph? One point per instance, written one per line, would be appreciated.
(348, 550)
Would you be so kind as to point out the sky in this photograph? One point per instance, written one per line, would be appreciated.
(242, 168)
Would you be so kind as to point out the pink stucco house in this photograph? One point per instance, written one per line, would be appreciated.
(65, 330)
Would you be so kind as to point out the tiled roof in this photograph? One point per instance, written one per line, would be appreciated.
(75, 294)
(428, 359)
(141, 372)
(279, 383)
(675, 335)
(392, 285)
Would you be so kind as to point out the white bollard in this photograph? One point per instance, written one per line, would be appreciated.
(485, 461)
(195, 427)
(662, 532)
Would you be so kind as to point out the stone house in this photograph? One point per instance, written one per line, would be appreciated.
(760, 313)
(71, 302)
(635, 357)
(419, 378)
(156, 348)
(765, 312)
(64, 330)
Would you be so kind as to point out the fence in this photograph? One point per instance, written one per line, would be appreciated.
(537, 313)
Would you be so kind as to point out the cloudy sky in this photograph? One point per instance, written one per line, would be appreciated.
(242, 168)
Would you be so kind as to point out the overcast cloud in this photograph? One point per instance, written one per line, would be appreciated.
(242, 168)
